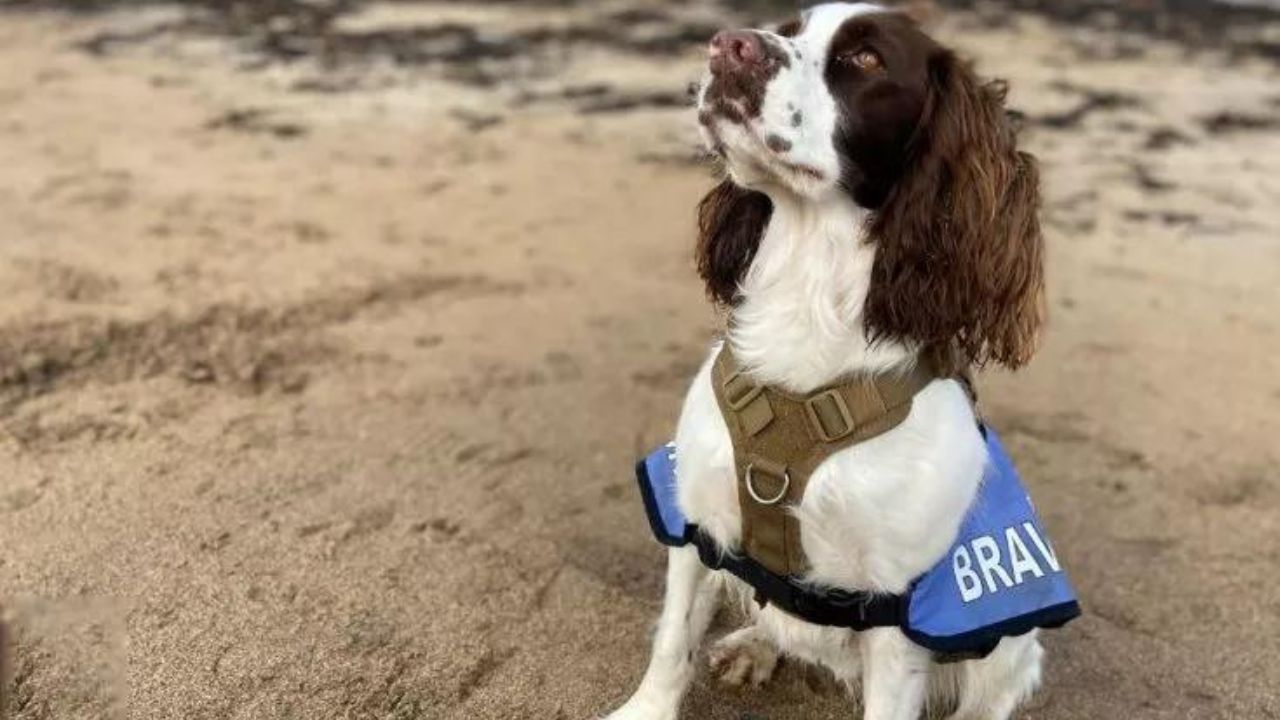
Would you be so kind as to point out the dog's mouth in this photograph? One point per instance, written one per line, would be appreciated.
(767, 151)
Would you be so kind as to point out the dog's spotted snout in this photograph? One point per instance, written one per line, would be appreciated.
(734, 50)
(742, 62)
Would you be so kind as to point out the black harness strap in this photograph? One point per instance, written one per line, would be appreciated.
(832, 607)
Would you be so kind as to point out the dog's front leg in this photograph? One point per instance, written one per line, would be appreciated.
(895, 675)
(686, 612)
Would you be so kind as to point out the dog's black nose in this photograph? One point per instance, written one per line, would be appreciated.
(734, 50)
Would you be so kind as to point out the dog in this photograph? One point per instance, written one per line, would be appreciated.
(876, 213)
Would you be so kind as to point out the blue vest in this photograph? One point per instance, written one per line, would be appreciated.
(1000, 578)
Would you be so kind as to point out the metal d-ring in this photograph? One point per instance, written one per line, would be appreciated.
(751, 488)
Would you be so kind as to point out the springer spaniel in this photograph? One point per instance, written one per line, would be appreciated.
(877, 211)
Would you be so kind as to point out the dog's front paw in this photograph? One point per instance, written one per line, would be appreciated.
(744, 655)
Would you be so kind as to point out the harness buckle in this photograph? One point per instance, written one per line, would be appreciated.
(826, 407)
(739, 391)
(751, 487)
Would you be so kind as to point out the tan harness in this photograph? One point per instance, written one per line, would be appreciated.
(780, 438)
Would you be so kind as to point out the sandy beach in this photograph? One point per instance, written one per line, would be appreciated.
(317, 315)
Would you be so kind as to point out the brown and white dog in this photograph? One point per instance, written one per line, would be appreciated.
(877, 212)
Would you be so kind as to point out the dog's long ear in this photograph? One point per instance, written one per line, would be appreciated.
(731, 221)
(959, 264)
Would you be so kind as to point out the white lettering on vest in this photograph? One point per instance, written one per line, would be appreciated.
(1042, 546)
(988, 554)
(966, 578)
(1022, 561)
(984, 551)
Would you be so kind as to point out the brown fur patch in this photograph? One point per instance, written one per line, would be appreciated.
(731, 221)
(777, 143)
(959, 259)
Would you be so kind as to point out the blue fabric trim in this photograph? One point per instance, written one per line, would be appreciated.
(651, 510)
(982, 641)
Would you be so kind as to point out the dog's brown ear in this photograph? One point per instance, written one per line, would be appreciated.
(959, 264)
(731, 221)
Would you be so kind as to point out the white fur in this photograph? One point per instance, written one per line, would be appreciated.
(874, 516)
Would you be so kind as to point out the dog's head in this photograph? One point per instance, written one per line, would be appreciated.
(856, 99)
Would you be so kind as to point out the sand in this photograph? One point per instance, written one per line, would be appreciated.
(326, 354)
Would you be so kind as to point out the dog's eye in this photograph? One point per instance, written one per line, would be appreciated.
(864, 59)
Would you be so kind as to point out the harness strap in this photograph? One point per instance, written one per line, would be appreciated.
(780, 438)
(858, 610)
(832, 607)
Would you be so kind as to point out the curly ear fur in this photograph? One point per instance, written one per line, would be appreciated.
(731, 221)
(959, 262)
